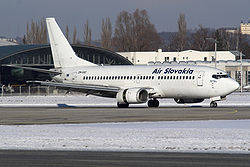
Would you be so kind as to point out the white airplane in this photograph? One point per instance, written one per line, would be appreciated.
(131, 84)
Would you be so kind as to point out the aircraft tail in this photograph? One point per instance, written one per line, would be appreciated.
(62, 53)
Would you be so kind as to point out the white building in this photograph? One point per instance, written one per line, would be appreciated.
(226, 61)
(245, 28)
(188, 55)
(6, 42)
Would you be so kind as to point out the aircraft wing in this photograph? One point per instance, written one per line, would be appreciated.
(98, 90)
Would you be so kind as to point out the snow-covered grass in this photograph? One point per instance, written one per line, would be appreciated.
(235, 99)
(229, 136)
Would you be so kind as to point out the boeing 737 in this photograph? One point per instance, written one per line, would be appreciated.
(131, 84)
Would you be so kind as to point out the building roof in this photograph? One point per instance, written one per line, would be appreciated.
(7, 51)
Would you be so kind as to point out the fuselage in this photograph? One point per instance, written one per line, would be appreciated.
(171, 81)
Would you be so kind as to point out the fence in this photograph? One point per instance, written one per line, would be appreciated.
(21, 90)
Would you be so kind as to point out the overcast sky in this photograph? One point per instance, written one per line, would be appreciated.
(14, 14)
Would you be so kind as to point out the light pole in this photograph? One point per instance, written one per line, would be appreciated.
(215, 48)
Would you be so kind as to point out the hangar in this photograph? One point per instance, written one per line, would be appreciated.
(40, 56)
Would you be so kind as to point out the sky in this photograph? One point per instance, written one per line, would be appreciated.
(15, 14)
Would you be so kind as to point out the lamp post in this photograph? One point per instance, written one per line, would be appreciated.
(215, 48)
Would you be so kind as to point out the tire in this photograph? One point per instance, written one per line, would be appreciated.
(153, 103)
(213, 104)
(122, 105)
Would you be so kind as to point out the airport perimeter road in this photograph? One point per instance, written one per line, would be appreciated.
(95, 159)
(10, 116)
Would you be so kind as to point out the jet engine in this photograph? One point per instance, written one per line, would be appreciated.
(132, 95)
(182, 101)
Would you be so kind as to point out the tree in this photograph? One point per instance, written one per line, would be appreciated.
(135, 32)
(182, 31)
(67, 32)
(36, 33)
(74, 36)
(199, 39)
(87, 34)
(106, 34)
(179, 40)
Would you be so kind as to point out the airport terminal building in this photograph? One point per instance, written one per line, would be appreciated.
(40, 56)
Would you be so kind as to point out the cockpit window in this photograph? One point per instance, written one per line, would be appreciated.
(218, 76)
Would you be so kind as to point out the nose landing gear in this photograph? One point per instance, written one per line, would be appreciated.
(213, 104)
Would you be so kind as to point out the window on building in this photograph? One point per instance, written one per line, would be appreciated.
(174, 59)
(205, 58)
(166, 59)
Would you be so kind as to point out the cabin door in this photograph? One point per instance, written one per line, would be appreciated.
(200, 78)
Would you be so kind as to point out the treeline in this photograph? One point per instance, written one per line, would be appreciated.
(135, 32)
(198, 39)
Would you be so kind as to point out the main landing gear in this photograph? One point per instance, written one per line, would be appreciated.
(153, 103)
(119, 105)
(213, 104)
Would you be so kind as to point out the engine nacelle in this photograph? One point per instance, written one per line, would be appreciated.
(182, 101)
(132, 95)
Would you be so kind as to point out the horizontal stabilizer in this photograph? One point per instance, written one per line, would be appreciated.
(34, 69)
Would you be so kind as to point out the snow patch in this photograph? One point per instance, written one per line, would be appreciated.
(190, 136)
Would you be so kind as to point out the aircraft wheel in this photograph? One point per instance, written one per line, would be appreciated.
(153, 103)
(213, 104)
(119, 105)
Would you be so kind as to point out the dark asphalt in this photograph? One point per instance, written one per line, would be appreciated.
(38, 115)
(9, 158)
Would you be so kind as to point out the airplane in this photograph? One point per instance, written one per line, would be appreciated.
(133, 84)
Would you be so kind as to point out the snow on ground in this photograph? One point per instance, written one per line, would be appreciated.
(235, 99)
(230, 136)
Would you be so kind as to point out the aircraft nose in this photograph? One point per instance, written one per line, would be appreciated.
(234, 85)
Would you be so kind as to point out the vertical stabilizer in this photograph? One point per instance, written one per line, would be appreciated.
(62, 53)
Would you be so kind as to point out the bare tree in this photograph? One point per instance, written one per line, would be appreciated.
(135, 32)
(198, 39)
(182, 31)
(106, 34)
(74, 36)
(87, 34)
(36, 33)
(67, 32)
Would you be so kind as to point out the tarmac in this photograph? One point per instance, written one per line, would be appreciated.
(61, 115)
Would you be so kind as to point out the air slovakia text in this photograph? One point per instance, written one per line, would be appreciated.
(173, 71)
